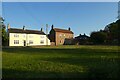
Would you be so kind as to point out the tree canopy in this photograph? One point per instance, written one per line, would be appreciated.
(110, 35)
(3, 31)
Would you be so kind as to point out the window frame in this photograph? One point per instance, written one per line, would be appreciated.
(16, 41)
(42, 41)
(42, 37)
(16, 35)
(30, 41)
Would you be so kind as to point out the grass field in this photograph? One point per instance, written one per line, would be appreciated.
(61, 62)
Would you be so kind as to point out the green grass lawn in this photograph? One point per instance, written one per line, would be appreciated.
(61, 62)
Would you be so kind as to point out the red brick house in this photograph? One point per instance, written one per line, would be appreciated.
(60, 36)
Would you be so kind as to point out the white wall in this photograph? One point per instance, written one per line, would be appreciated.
(20, 38)
(35, 38)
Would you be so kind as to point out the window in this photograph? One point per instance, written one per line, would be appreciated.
(60, 41)
(30, 42)
(41, 36)
(60, 35)
(16, 41)
(16, 35)
(42, 42)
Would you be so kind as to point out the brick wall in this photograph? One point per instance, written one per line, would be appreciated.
(60, 37)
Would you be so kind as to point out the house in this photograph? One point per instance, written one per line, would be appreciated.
(60, 36)
(24, 37)
(82, 39)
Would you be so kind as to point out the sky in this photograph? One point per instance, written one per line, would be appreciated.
(81, 17)
(60, 0)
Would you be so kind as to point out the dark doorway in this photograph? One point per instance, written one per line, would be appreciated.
(24, 43)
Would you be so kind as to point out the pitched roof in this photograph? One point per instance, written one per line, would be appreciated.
(14, 30)
(62, 30)
(82, 36)
(34, 32)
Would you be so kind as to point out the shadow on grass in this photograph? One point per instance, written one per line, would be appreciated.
(19, 74)
(31, 50)
(93, 74)
(97, 68)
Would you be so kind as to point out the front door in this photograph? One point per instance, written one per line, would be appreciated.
(24, 43)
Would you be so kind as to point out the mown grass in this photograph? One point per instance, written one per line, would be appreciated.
(61, 62)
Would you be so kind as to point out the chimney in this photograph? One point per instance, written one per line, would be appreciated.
(69, 28)
(41, 29)
(52, 26)
(23, 27)
(80, 34)
(84, 34)
(8, 26)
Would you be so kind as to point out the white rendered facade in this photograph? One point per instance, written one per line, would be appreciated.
(24, 39)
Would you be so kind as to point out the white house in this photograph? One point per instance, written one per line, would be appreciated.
(23, 37)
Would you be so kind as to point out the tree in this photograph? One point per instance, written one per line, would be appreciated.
(4, 33)
(113, 32)
(4, 37)
(98, 37)
(118, 24)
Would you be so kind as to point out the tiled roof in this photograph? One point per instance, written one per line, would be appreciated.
(14, 30)
(34, 32)
(62, 30)
(82, 36)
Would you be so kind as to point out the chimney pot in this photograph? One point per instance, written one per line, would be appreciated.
(41, 29)
(69, 28)
(23, 27)
(52, 26)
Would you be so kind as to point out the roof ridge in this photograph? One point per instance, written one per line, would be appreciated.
(32, 30)
(15, 30)
(62, 30)
(26, 29)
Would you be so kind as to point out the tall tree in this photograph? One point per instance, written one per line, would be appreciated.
(113, 32)
(3, 31)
